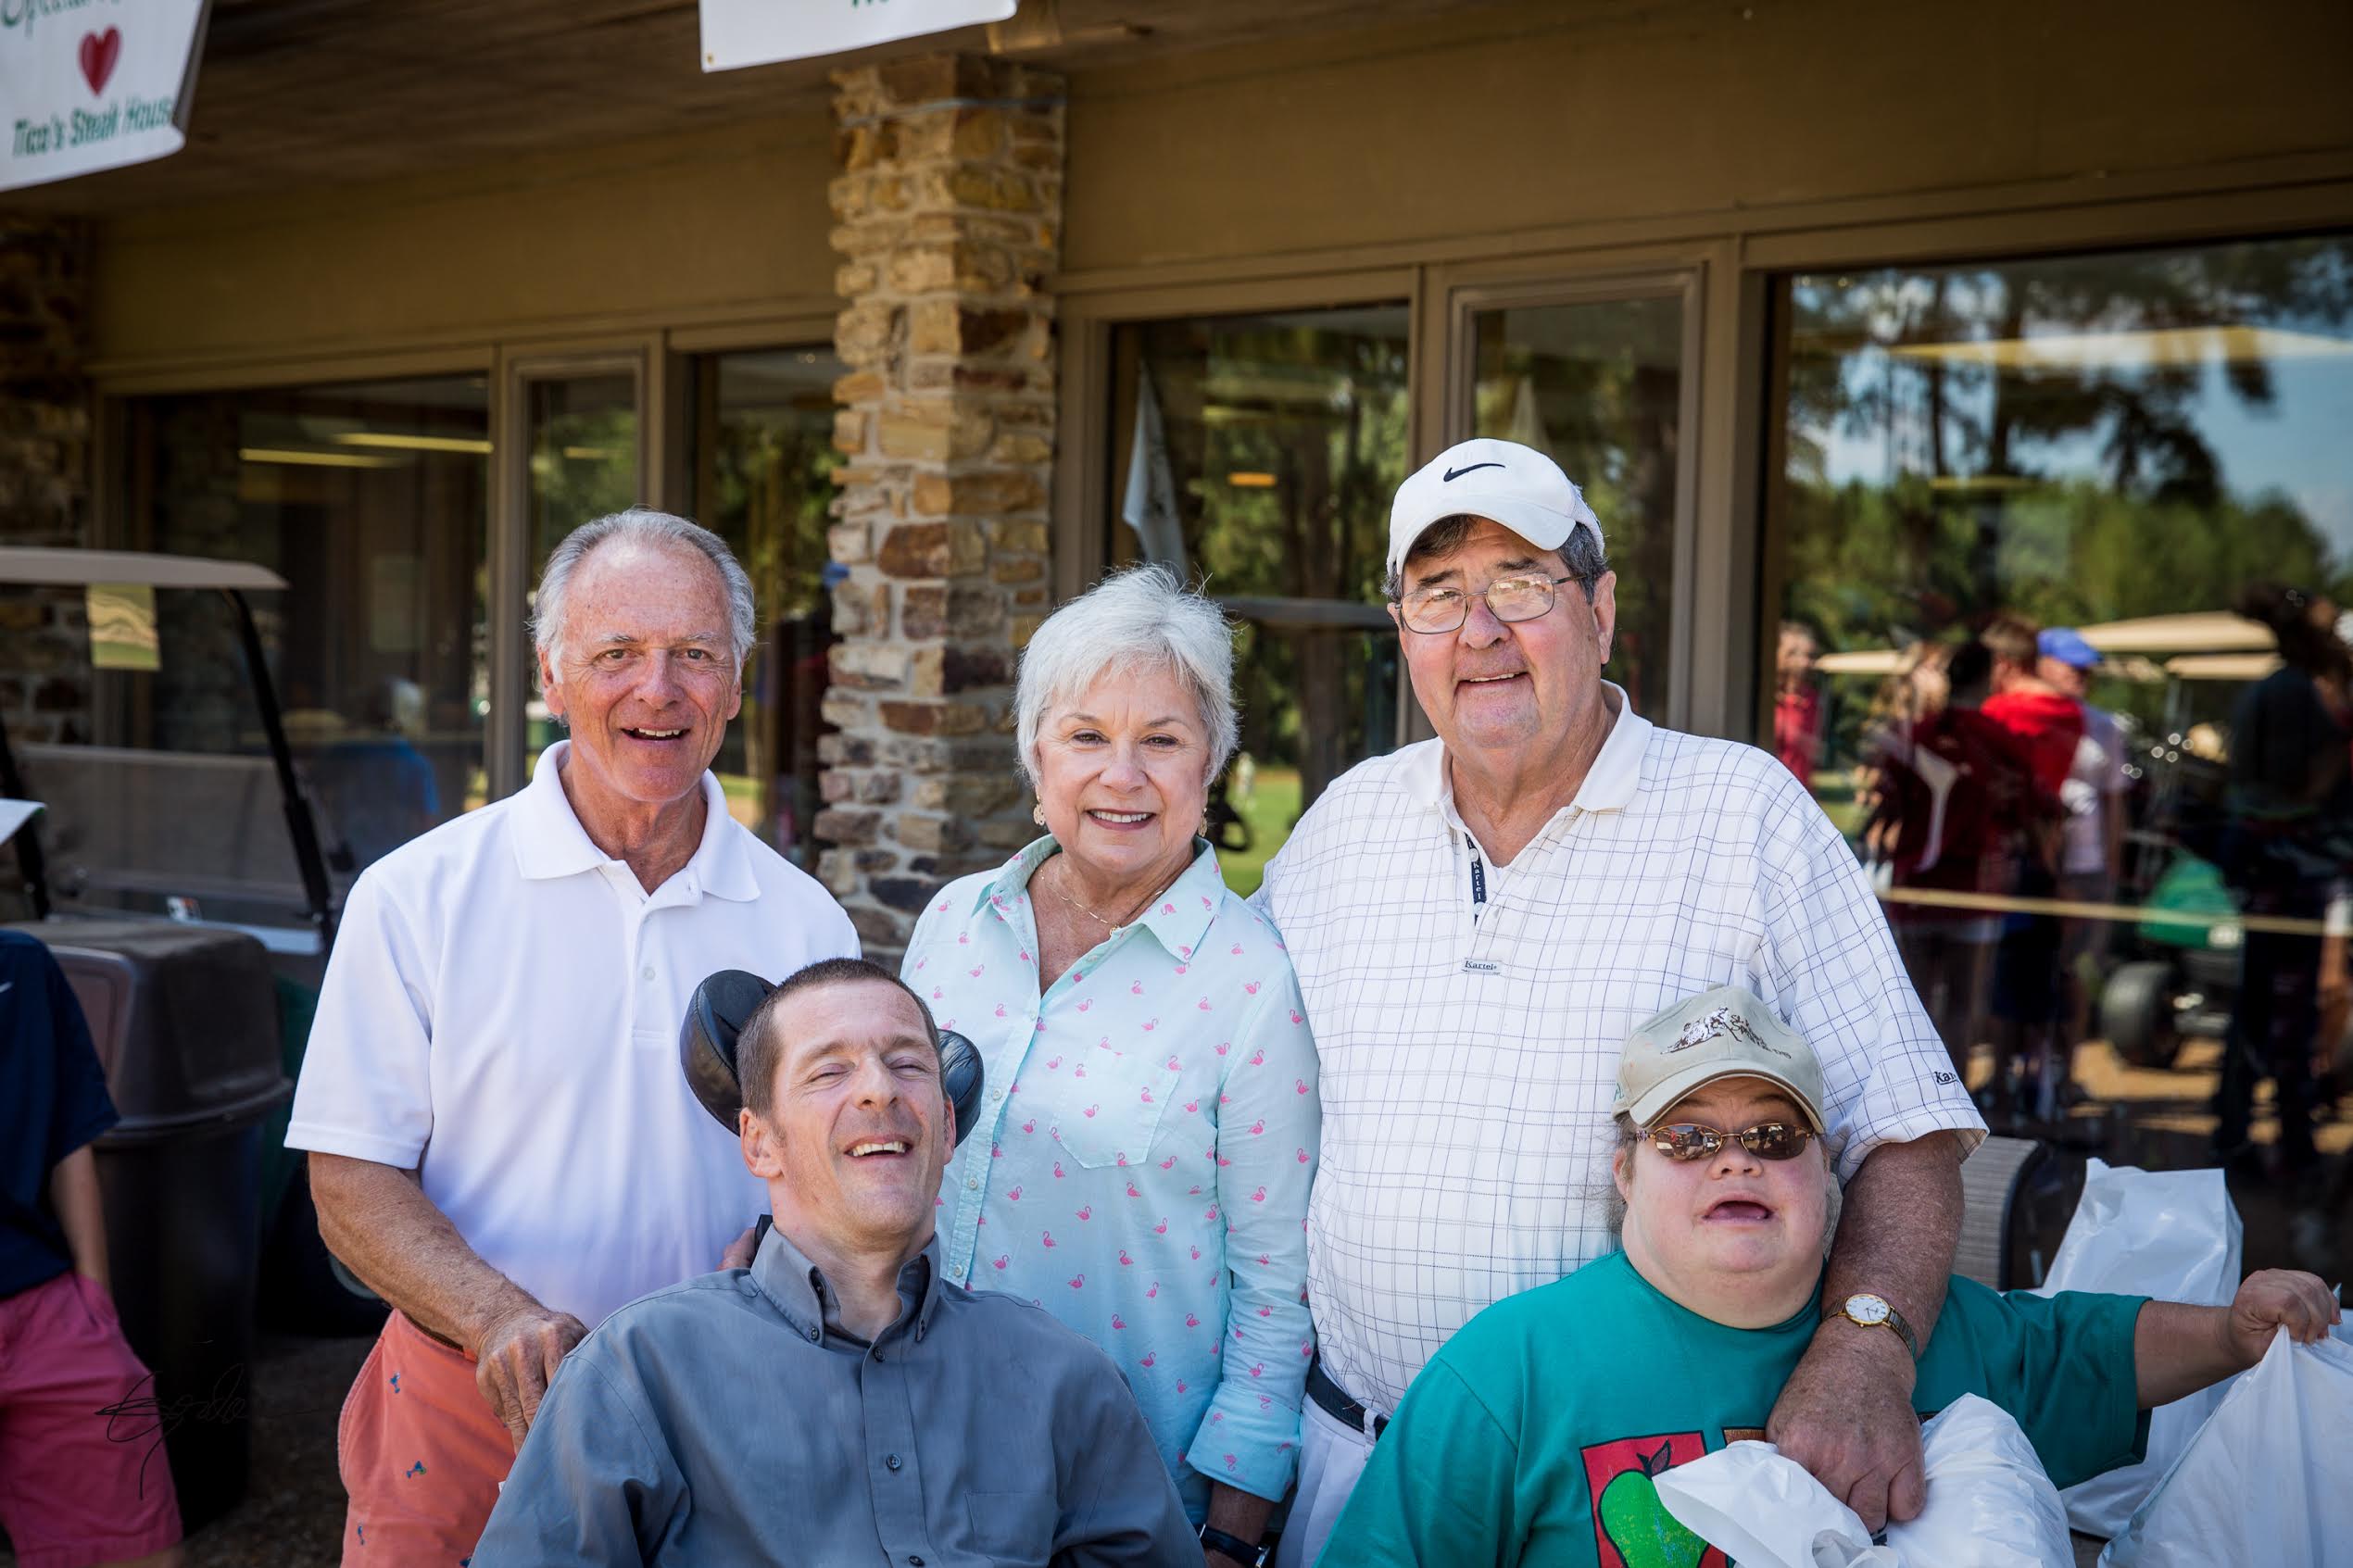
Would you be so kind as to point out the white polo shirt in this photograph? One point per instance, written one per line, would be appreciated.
(501, 1015)
(1469, 1049)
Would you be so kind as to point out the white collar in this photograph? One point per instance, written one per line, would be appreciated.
(1610, 783)
(549, 841)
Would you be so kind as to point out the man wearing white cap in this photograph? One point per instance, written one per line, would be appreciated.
(1479, 922)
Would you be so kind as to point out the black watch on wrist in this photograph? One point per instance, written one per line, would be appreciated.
(1240, 1550)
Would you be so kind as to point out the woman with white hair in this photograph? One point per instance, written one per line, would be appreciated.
(1145, 1149)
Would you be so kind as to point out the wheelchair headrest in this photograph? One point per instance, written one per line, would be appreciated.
(723, 1003)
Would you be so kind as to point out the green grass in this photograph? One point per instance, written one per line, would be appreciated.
(1271, 810)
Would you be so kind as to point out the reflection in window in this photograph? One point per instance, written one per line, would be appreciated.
(763, 481)
(371, 500)
(1259, 454)
(2061, 548)
(1597, 387)
(581, 434)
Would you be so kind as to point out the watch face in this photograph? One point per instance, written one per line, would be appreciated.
(1867, 1308)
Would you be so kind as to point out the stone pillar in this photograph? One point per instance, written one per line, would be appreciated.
(44, 467)
(948, 212)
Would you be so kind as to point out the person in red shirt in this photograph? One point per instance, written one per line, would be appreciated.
(1954, 805)
(1797, 706)
(2045, 726)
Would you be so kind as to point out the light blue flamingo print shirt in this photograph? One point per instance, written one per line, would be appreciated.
(1144, 1150)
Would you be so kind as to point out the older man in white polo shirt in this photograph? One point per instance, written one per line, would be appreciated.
(502, 1143)
(1478, 921)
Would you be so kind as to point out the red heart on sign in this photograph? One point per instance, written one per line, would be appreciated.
(99, 51)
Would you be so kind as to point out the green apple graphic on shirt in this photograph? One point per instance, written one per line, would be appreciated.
(1638, 1524)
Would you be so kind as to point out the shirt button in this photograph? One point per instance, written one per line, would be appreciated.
(650, 972)
(891, 1463)
(915, 1562)
(972, 1184)
(996, 1094)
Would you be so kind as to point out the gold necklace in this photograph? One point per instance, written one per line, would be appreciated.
(1091, 914)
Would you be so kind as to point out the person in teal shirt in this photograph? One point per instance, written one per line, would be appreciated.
(1535, 1435)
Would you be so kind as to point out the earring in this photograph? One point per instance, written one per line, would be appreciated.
(1037, 813)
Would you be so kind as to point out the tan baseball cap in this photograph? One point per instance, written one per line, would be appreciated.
(1727, 1033)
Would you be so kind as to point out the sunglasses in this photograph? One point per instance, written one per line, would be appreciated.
(1767, 1140)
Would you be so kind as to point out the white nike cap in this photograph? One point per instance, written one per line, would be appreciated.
(1514, 485)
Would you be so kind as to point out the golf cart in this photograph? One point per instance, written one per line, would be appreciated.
(183, 891)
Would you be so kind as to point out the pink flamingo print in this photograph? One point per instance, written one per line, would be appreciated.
(1088, 1212)
(1151, 1024)
(1092, 1109)
(1259, 1196)
(1302, 1157)
(1078, 1282)
(1048, 1238)
(1238, 950)
(1118, 1321)
(1196, 1254)
(1251, 986)
(1265, 1311)
(1148, 1097)
(1192, 1321)
(1203, 1004)
(1256, 1369)
(1058, 1167)
(1181, 1385)
(1224, 1046)
(1054, 1063)
(1300, 1085)
(1258, 1126)
(1210, 1213)
(1124, 1260)
(1295, 1018)
(1001, 1009)
(1153, 1293)
(1080, 1071)
(1014, 1195)
(1136, 990)
(1175, 1065)
(1003, 1259)
(1085, 1003)
(1030, 1125)
(1168, 909)
(1171, 1161)
(1258, 1057)
(1160, 1229)
(1183, 967)
(1134, 1191)
(1191, 1106)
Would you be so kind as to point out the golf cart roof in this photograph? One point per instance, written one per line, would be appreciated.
(74, 569)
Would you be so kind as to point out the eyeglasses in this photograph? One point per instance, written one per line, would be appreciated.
(1767, 1140)
(1508, 598)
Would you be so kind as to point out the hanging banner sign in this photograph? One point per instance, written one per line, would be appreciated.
(91, 85)
(759, 33)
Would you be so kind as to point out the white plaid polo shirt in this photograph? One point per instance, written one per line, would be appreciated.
(1469, 1047)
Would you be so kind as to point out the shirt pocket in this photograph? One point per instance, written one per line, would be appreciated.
(1012, 1526)
(1114, 1121)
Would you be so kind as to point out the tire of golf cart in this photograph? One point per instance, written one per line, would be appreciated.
(2136, 1014)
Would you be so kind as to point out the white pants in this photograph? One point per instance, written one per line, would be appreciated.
(1331, 1457)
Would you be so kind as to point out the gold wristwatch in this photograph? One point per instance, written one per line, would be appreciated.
(1875, 1311)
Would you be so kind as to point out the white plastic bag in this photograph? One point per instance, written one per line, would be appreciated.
(2172, 1235)
(1990, 1505)
(1765, 1512)
(1989, 1502)
(2264, 1483)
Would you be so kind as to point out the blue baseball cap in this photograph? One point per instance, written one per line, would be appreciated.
(2067, 645)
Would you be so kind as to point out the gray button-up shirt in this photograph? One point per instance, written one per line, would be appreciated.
(731, 1419)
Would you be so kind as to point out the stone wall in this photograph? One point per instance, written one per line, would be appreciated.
(948, 214)
(44, 467)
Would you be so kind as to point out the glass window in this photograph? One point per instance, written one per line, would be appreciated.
(1597, 386)
(371, 500)
(581, 440)
(763, 481)
(2061, 549)
(1259, 454)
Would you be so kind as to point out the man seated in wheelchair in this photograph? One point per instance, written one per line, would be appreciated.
(841, 1399)
(1534, 1434)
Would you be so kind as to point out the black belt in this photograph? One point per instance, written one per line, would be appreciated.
(1338, 1405)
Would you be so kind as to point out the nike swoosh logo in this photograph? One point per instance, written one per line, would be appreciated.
(1453, 474)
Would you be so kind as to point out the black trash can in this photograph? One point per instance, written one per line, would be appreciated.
(185, 1022)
